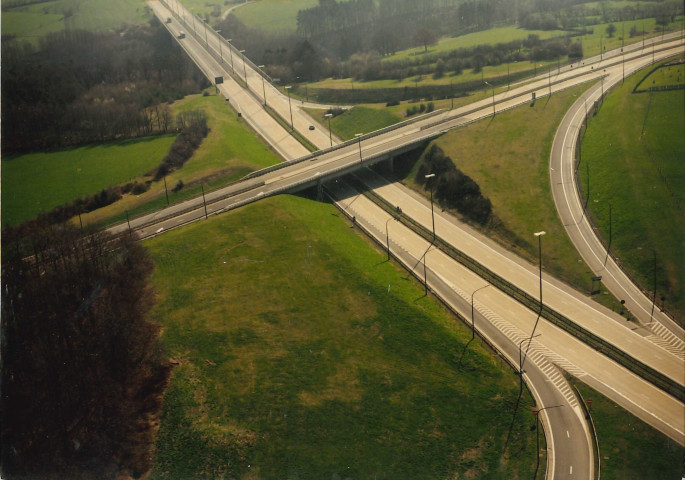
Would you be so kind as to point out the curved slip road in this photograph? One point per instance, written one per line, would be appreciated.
(572, 213)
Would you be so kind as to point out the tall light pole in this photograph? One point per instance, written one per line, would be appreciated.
(493, 97)
(287, 89)
(330, 133)
(549, 79)
(244, 68)
(230, 50)
(429, 176)
(539, 235)
(522, 359)
(359, 136)
(261, 67)
(473, 321)
(206, 41)
(387, 236)
(221, 54)
(537, 432)
(191, 11)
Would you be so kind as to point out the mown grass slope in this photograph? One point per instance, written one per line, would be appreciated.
(301, 353)
(634, 149)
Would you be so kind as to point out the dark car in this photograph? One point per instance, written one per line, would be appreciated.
(311, 127)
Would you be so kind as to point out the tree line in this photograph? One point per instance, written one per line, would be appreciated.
(82, 371)
(78, 86)
(342, 39)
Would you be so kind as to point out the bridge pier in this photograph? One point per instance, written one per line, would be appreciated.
(319, 190)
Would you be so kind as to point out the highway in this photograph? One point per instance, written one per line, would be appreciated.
(510, 319)
(571, 211)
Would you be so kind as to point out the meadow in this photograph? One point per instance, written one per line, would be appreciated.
(37, 182)
(230, 151)
(301, 353)
(31, 22)
(275, 16)
(634, 149)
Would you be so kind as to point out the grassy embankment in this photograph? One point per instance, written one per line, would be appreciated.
(37, 182)
(629, 448)
(225, 155)
(31, 22)
(634, 148)
(301, 353)
(508, 157)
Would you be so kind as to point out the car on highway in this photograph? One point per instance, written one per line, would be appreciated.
(311, 127)
(182, 35)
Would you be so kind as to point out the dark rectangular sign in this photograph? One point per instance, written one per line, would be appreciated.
(218, 80)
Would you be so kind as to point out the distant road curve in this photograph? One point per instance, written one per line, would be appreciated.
(570, 207)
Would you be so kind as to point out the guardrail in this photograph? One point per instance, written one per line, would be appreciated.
(644, 371)
(344, 144)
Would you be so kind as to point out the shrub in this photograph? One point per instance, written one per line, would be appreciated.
(139, 188)
(179, 186)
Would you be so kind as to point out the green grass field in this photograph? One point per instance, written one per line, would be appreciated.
(664, 76)
(629, 448)
(360, 119)
(508, 157)
(34, 21)
(492, 36)
(38, 182)
(230, 151)
(273, 15)
(641, 174)
(301, 353)
(592, 41)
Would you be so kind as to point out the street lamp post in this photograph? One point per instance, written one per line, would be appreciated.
(473, 321)
(493, 97)
(330, 133)
(537, 432)
(221, 54)
(261, 67)
(230, 50)
(244, 68)
(191, 11)
(429, 176)
(206, 41)
(359, 136)
(539, 235)
(522, 359)
(287, 89)
(387, 235)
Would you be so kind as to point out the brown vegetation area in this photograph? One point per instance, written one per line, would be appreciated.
(82, 374)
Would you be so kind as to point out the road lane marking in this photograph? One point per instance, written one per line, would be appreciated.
(570, 472)
(567, 434)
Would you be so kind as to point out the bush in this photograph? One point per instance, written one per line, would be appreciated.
(392, 103)
(139, 188)
(179, 186)
(430, 107)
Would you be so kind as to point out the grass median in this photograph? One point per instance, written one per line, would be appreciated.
(302, 353)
